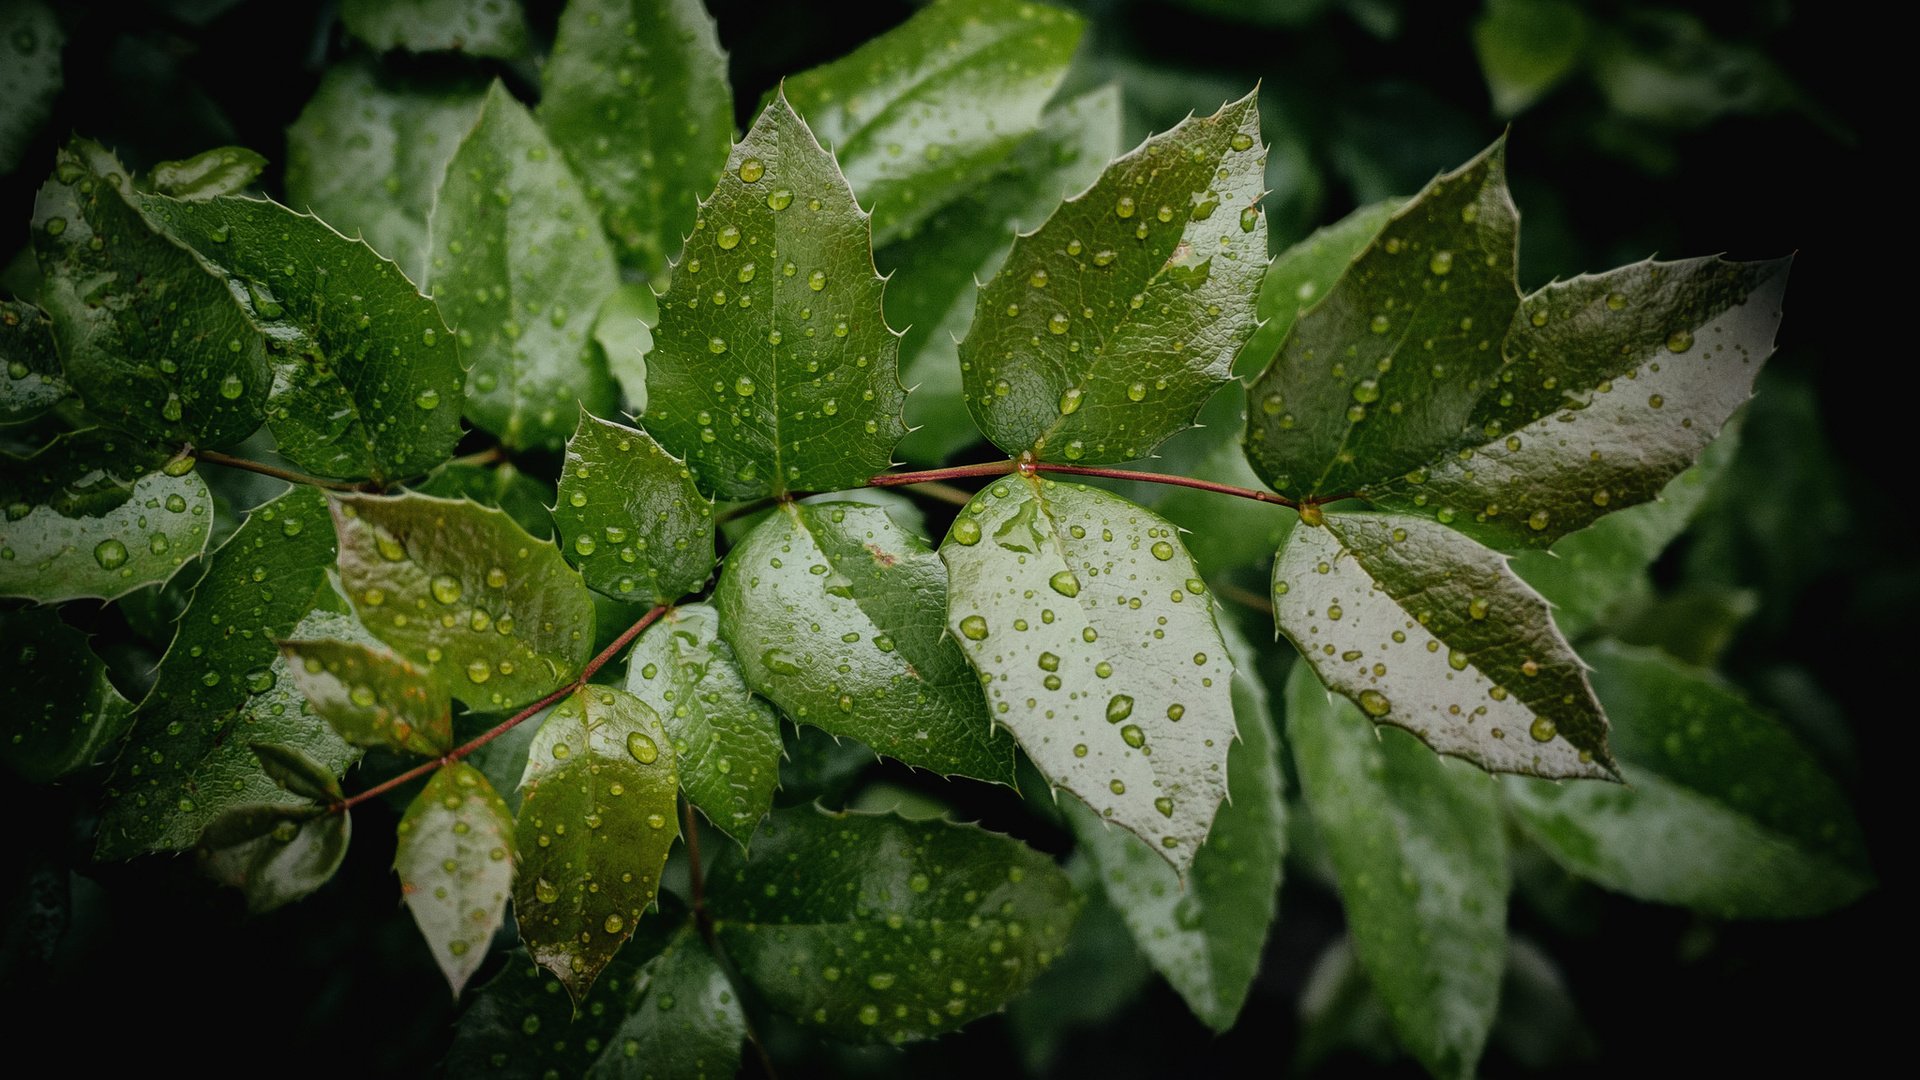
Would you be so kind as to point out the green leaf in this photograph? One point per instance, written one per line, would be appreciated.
(1111, 325)
(1613, 385)
(1724, 811)
(223, 684)
(1299, 276)
(525, 499)
(496, 617)
(1526, 47)
(297, 773)
(1100, 973)
(834, 613)
(596, 822)
(455, 865)
(1206, 935)
(204, 380)
(1222, 534)
(369, 150)
(635, 94)
(520, 274)
(1428, 631)
(30, 75)
(206, 175)
(624, 333)
(1422, 862)
(773, 369)
(1382, 374)
(1095, 639)
(366, 376)
(922, 113)
(837, 920)
(726, 740)
(930, 277)
(688, 1022)
(630, 517)
(475, 27)
(65, 712)
(97, 515)
(297, 855)
(372, 697)
(34, 381)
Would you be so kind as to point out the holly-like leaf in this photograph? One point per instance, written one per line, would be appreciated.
(773, 369)
(862, 904)
(212, 173)
(1108, 328)
(475, 27)
(495, 617)
(635, 94)
(1299, 276)
(291, 852)
(1724, 811)
(1206, 935)
(65, 710)
(33, 382)
(1383, 373)
(296, 773)
(726, 740)
(108, 280)
(371, 696)
(367, 378)
(1422, 862)
(1100, 972)
(630, 516)
(520, 273)
(687, 1023)
(97, 515)
(835, 614)
(30, 74)
(624, 333)
(455, 861)
(526, 499)
(596, 822)
(925, 111)
(222, 685)
(369, 150)
(1428, 631)
(1526, 47)
(1095, 639)
(1613, 384)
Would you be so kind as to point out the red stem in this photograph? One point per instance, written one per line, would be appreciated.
(956, 472)
(1163, 478)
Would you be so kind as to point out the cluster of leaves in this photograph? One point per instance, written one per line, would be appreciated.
(697, 330)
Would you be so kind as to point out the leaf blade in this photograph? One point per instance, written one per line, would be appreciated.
(372, 697)
(454, 858)
(630, 517)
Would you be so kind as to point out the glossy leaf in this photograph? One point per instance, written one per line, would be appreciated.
(1428, 631)
(475, 27)
(520, 275)
(34, 382)
(726, 740)
(1299, 276)
(920, 114)
(1095, 639)
(630, 516)
(862, 936)
(297, 855)
(295, 772)
(455, 863)
(369, 150)
(210, 174)
(1100, 972)
(635, 94)
(1383, 373)
(1422, 862)
(371, 696)
(688, 1022)
(624, 333)
(367, 377)
(834, 613)
(596, 821)
(495, 617)
(1109, 327)
(65, 711)
(1613, 384)
(106, 273)
(30, 74)
(97, 515)
(1526, 48)
(773, 368)
(527, 500)
(1725, 810)
(222, 685)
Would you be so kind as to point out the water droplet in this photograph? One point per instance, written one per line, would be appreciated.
(428, 399)
(614, 924)
(728, 238)
(743, 386)
(446, 588)
(1133, 736)
(1375, 703)
(110, 554)
(479, 671)
(643, 748)
(546, 892)
(716, 345)
(1616, 301)
(1241, 141)
(1057, 323)
(974, 627)
(966, 532)
(779, 199)
(1441, 262)
(1680, 341)
(1162, 550)
(1065, 583)
(880, 980)
(1249, 219)
(1537, 520)
(1543, 729)
(1124, 208)
(584, 544)
(1164, 805)
(1477, 608)
(1119, 707)
(751, 170)
(1070, 400)
(817, 280)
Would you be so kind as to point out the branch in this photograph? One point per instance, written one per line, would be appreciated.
(217, 458)
(1163, 478)
(936, 480)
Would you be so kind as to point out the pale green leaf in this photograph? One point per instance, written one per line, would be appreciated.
(475, 27)
(295, 856)
(455, 862)
(624, 332)
(371, 696)
(688, 1023)
(30, 74)
(1526, 47)
(64, 710)
(34, 382)
(206, 175)
(630, 517)
(1299, 276)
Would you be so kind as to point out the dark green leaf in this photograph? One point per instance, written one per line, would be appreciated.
(525, 499)
(630, 517)
(97, 515)
(1339, 1011)
(773, 369)
(596, 822)
(1384, 371)
(872, 928)
(64, 711)
(1428, 631)
(496, 617)
(922, 113)
(726, 740)
(688, 1023)
(819, 767)
(1299, 276)
(1422, 861)
(636, 96)
(225, 171)
(1096, 641)
(475, 27)
(624, 333)
(34, 381)
(1109, 327)
(520, 273)
(1100, 972)
(455, 864)
(297, 773)
(1724, 811)
(30, 74)
(835, 614)
(296, 856)
(366, 375)
(371, 696)
(108, 279)
(1526, 47)
(1667, 67)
